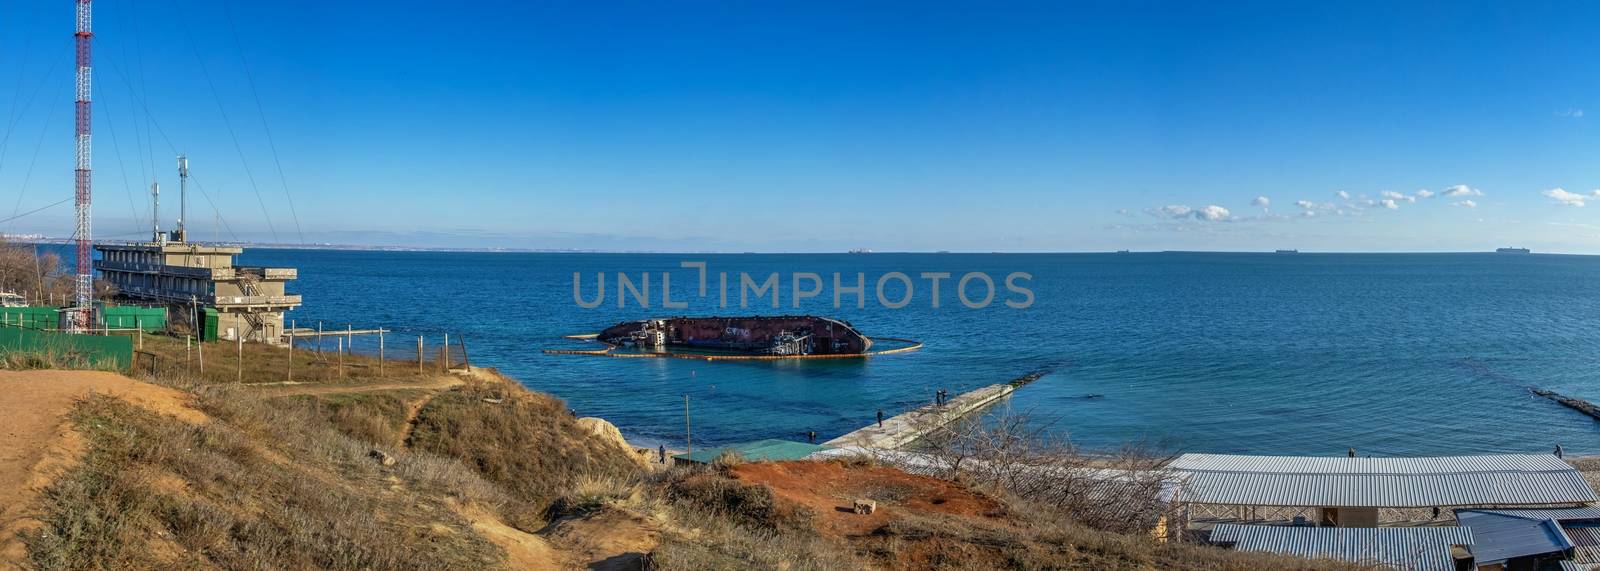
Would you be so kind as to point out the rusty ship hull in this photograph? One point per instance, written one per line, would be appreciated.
(758, 335)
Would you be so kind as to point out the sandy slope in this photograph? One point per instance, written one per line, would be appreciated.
(37, 444)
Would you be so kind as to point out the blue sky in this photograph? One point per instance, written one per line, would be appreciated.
(822, 126)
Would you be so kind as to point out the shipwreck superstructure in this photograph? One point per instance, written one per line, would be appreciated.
(801, 335)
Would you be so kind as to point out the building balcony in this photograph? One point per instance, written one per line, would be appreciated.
(272, 273)
(162, 269)
(256, 301)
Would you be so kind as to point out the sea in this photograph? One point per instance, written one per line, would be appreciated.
(1389, 354)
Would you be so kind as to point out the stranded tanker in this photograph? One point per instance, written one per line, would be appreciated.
(777, 335)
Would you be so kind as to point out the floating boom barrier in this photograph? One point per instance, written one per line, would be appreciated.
(609, 351)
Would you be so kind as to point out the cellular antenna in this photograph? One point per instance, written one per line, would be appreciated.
(155, 213)
(180, 235)
(81, 317)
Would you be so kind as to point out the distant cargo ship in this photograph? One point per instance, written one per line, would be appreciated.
(778, 335)
(1288, 251)
(1514, 251)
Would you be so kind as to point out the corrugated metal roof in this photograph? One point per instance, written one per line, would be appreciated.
(1504, 480)
(1559, 514)
(1498, 537)
(1412, 548)
(1583, 536)
(1587, 555)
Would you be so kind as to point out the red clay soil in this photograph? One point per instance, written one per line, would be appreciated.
(830, 489)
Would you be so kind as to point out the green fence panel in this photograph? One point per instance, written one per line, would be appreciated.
(85, 351)
(151, 319)
(33, 317)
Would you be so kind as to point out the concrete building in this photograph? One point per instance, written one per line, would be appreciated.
(188, 278)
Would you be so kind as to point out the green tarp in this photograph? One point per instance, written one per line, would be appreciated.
(70, 350)
(30, 317)
(151, 319)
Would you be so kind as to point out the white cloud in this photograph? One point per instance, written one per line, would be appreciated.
(1261, 201)
(1211, 212)
(1573, 113)
(1308, 205)
(1461, 190)
(1173, 211)
(1342, 195)
(1467, 203)
(1308, 213)
(1397, 196)
(1389, 204)
(1561, 196)
(1424, 193)
(1124, 212)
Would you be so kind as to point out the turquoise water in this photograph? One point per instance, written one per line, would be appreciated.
(1246, 353)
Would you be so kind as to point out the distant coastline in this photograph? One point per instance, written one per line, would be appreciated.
(35, 239)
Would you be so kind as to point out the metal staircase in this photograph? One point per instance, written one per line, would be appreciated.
(250, 283)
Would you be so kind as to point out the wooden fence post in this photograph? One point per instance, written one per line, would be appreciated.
(419, 354)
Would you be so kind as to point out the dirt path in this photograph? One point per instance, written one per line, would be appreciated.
(37, 443)
(524, 551)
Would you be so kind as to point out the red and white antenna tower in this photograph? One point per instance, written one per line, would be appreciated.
(83, 313)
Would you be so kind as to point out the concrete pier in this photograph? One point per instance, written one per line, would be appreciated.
(907, 428)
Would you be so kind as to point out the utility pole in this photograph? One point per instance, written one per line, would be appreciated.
(291, 350)
(688, 437)
(83, 312)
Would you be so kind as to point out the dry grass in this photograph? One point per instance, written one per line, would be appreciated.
(377, 417)
(716, 543)
(262, 363)
(738, 525)
(155, 492)
(529, 443)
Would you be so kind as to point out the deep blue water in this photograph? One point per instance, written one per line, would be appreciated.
(1250, 353)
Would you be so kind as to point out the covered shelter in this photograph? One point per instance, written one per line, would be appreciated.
(1349, 491)
(1412, 548)
(1534, 538)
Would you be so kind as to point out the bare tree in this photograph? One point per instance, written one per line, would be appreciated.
(1128, 490)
